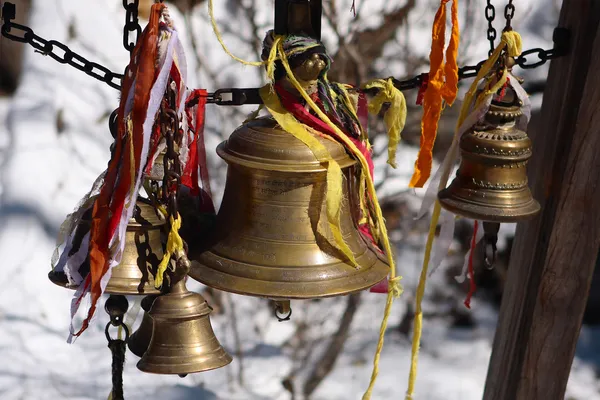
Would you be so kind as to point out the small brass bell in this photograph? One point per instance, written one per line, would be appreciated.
(183, 341)
(139, 340)
(266, 242)
(141, 256)
(491, 183)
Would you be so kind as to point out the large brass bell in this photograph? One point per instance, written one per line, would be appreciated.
(491, 183)
(141, 256)
(140, 340)
(267, 242)
(183, 340)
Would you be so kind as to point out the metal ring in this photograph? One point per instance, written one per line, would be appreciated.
(486, 260)
(122, 324)
(283, 319)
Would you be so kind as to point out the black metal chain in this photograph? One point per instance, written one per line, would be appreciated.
(55, 49)
(132, 24)
(509, 14)
(529, 59)
(490, 15)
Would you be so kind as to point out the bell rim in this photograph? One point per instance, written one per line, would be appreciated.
(276, 290)
(481, 212)
(164, 369)
(135, 348)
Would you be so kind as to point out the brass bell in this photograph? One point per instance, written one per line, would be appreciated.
(141, 256)
(140, 339)
(491, 182)
(266, 241)
(183, 340)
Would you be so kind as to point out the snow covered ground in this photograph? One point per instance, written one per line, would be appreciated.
(54, 142)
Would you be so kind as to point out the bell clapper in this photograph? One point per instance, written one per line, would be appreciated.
(490, 241)
(283, 310)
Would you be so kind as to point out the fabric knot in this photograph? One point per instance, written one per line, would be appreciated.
(514, 43)
(395, 287)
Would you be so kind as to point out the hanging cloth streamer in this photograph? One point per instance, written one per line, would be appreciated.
(395, 288)
(442, 86)
(473, 109)
(277, 53)
(114, 202)
(334, 173)
(394, 117)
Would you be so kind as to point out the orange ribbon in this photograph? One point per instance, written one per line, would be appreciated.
(442, 85)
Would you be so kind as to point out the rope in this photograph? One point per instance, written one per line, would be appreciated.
(213, 22)
(117, 348)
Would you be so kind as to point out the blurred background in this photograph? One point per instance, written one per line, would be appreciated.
(54, 142)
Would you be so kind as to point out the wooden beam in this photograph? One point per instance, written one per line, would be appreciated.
(554, 255)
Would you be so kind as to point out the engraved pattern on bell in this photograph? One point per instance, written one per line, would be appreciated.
(183, 341)
(141, 256)
(272, 237)
(491, 183)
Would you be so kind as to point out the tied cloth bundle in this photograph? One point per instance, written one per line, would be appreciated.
(473, 109)
(92, 238)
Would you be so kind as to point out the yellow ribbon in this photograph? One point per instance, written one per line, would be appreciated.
(511, 42)
(394, 117)
(174, 246)
(334, 173)
(395, 289)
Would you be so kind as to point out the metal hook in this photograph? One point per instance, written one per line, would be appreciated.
(489, 264)
(283, 310)
(490, 240)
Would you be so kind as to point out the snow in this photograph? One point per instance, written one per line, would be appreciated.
(55, 141)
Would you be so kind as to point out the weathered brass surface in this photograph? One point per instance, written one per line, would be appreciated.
(266, 241)
(141, 256)
(140, 339)
(491, 183)
(183, 341)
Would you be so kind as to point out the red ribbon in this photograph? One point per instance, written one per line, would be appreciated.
(422, 89)
(472, 284)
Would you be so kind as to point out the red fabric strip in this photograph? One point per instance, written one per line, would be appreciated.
(472, 284)
(109, 204)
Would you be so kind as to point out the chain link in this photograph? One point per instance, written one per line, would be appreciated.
(490, 15)
(509, 14)
(172, 166)
(132, 29)
(55, 50)
(529, 59)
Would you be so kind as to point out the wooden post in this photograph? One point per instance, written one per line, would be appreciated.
(554, 256)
